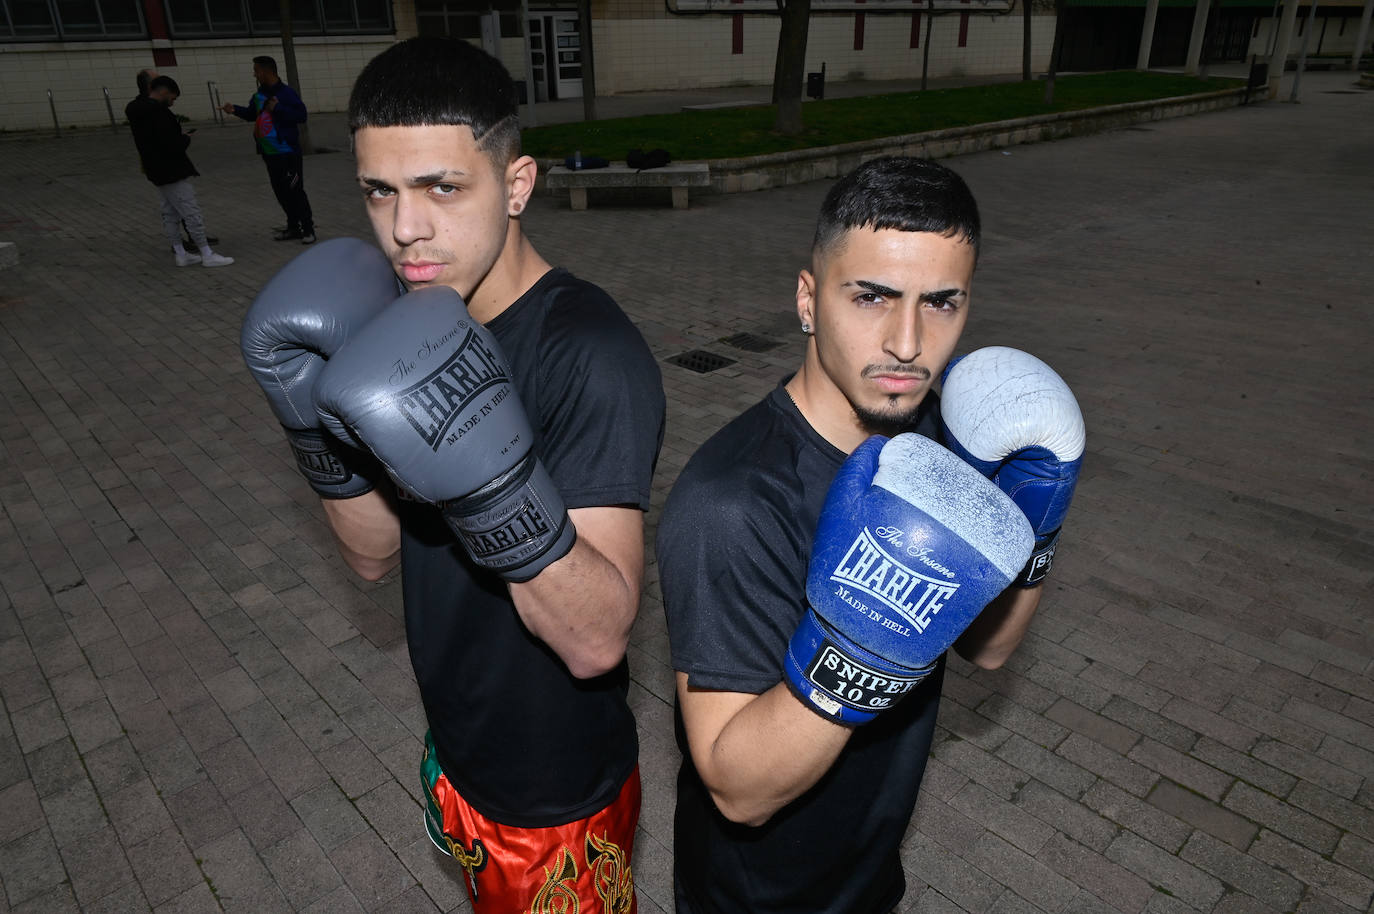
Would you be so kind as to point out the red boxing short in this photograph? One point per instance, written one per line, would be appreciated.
(581, 866)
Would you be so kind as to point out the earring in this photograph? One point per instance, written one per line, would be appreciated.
(806, 328)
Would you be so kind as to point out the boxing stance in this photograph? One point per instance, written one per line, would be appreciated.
(492, 424)
(822, 551)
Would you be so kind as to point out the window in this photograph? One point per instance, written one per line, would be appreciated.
(197, 18)
(77, 20)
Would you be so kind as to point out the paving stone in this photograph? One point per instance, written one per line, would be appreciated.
(30, 866)
(97, 866)
(1234, 868)
(937, 821)
(1108, 883)
(341, 900)
(1206, 780)
(1058, 772)
(238, 878)
(953, 877)
(264, 816)
(301, 868)
(441, 878)
(164, 866)
(1089, 755)
(1344, 885)
(1135, 815)
(1163, 870)
(73, 813)
(1205, 814)
(57, 900)
(373, 873)
(1007, 821)
(200, 814)
(196, 899)
(20, 811)
(1309, 767)
(1278, 816)
(1265, 777)
(1021, 873)
(93, 725)
(329, 815)
(159, 505)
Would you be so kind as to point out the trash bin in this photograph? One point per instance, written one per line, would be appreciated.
(815, 84)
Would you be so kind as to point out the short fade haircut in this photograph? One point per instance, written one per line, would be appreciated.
(898, 192)
(429, 82)
(267, 63)
(164, 82)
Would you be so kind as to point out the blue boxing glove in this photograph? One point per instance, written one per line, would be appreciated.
(912, 543)
(1013, 419)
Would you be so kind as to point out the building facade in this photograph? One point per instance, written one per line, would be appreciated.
(67, 64)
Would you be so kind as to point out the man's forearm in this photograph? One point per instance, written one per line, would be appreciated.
(584, 605)
(767, 750)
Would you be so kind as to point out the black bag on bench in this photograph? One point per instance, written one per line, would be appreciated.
(639, 160)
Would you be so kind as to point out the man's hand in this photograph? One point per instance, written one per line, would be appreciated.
(1013, 419)
(299, 320)
(227, 107)
(912, 543)
(427, 390)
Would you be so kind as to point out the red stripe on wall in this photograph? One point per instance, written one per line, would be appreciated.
(157, 23)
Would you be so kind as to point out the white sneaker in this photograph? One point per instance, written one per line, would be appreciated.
(189, 259)
(216, 260)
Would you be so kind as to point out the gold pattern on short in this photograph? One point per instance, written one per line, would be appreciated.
(471, 861)
(611, 875)
(559, 892)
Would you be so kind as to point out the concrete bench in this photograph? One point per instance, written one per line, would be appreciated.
(677, 176)
(714, 106)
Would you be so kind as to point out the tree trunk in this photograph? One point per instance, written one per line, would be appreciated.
(791, 66)
(288, 53)
(584, 16)
(779, 56)
(1055, 50)
(1025, 40)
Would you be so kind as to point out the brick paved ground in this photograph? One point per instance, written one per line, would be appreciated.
(202, 709)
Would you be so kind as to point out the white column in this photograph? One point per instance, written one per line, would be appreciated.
(1199, 32)
(1362, 43)
(1280, 55)
(1147, 34)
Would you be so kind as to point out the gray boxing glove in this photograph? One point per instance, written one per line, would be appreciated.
(295, 325)
(427, 390)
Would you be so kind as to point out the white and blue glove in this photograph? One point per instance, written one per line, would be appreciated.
(1014, 420)
(912, 543)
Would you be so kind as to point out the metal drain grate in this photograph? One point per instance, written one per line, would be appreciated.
(750, 342)
(700, 361)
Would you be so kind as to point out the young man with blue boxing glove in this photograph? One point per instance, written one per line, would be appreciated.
(821, 552)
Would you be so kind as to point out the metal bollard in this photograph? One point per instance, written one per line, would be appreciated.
(114, 128)
(56, 130)
(213, 91)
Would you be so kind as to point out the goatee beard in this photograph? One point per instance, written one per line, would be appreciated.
(887, 423)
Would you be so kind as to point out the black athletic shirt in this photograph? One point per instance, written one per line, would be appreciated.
(732, 549)
(521, 739)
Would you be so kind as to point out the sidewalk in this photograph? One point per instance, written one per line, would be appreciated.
(203, 710)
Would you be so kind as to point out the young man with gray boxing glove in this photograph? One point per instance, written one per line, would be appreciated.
(492, 425)
(821, 552)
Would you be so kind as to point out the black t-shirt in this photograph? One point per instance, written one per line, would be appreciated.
(523, 741)
(732, 548)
